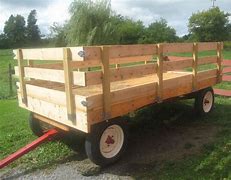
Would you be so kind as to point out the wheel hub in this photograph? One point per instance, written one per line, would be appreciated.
(207, 101)
(111, 141)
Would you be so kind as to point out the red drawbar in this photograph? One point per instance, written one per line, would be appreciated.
(46, 137)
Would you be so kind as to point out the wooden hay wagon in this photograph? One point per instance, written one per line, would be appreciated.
(89, 88)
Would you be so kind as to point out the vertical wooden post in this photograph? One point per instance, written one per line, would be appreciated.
(21, 73)
(160, 72)
(195, 64)
(10, 80)
(30, 63)
(106, 83)
(219, 61)
(117, 66)
(68, 74)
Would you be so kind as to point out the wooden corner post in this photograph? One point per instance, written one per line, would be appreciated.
(21, 73)
(219, 61)
(68, 74)
(106, 83)
(160, 72)
(194, 67)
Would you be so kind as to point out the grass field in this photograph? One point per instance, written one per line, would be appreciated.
(212, 162)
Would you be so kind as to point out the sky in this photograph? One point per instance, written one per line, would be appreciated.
(176, 12)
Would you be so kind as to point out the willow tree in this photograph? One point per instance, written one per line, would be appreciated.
(90, 23)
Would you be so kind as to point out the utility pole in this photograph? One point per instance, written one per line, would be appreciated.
(213, 1)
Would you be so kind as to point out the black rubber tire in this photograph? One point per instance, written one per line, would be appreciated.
(35, 125)
(199, 100)
(92, 142)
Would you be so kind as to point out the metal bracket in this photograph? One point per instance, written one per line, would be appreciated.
(82, 54)
(159, 100)
(72, 118)
(106, 116)
(24, 101)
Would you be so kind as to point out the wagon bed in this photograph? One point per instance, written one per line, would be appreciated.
(78, 87)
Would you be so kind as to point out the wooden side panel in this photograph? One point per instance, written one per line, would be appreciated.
(207, 46)
(52, 75)
(177, 47)
(52, 104)
(122, 73)
(177, 65)
(56, 112)
(132, 50)
(207, 74)
(207, 60)
(78, 53)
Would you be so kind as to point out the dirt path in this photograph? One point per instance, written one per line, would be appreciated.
(149, 149)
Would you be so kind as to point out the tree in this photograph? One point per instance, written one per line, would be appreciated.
(159, 31)
(15, 30)
(90, 23)
(210, 25)
(58, 35)
(129, 31)
(4, 43)
(33, 32)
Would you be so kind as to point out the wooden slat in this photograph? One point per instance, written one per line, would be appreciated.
(160, 73)
(195, 63)
(226, 70)
(207, 74)
(223, 92)
(207, 46)
(68, 74)
(52, 75)
(124, 60)
(226, 62)
(78, 53)
(207, 60)
(51, 122)
(106, 83)
(177, 65)
(126, 51)
(177, 47)
(21, 74)
(226, 78)
(49, 66)
(122, 73)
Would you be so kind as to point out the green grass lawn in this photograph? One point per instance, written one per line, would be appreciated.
(214, 161)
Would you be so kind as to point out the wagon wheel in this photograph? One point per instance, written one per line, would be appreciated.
(106, 142)
(204, 101)
(37, 127)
